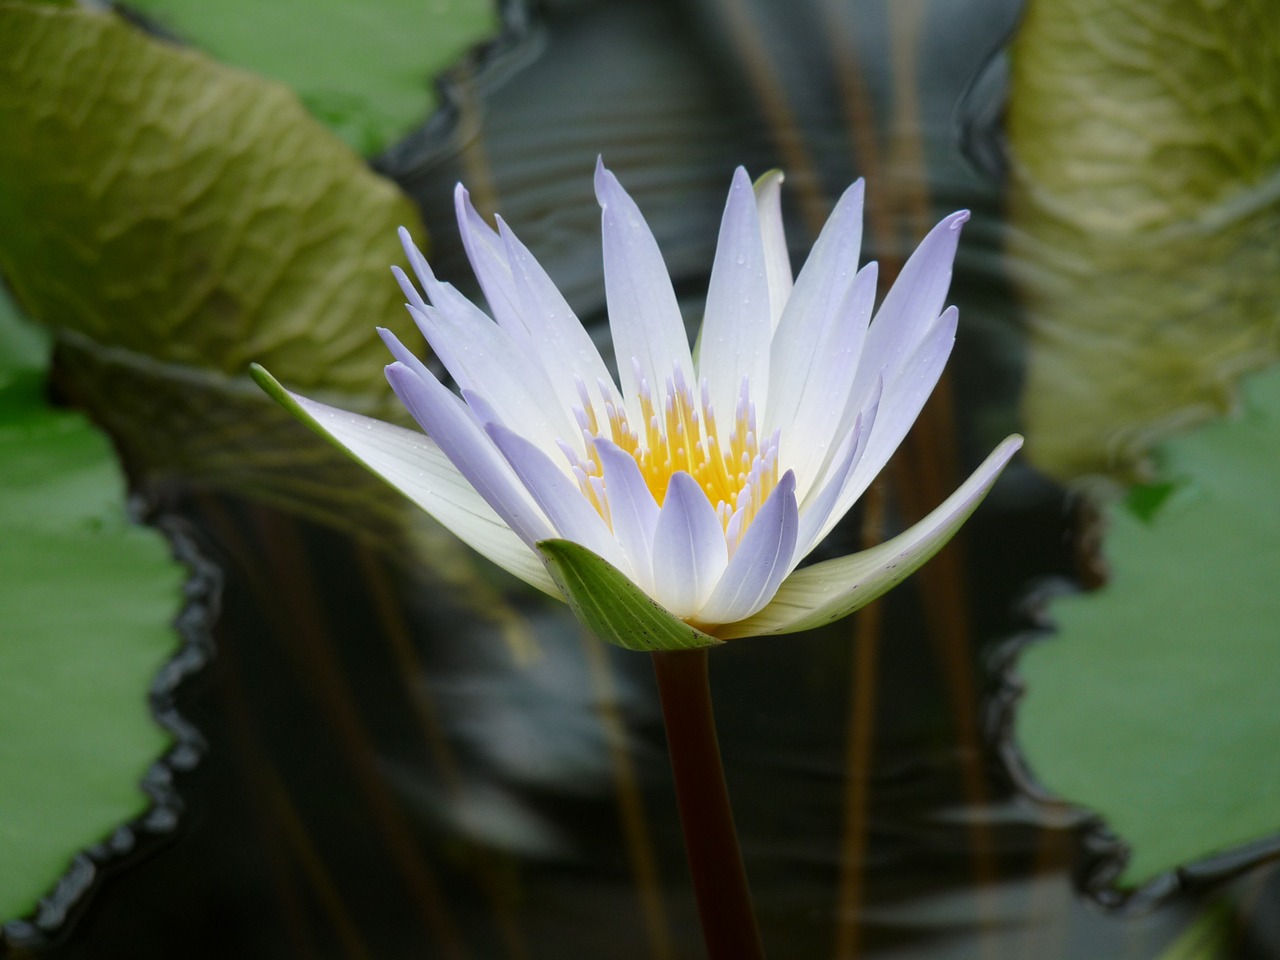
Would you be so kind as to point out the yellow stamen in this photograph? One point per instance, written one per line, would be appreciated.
(680, 434)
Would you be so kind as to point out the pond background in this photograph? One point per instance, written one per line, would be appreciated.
(403, 752)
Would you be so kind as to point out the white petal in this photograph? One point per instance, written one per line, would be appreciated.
(488, 259)
(823, 412)
(827, 591)
(814, 304)
(916, 298)
(448, 422)
(478, 353)
(527, 304)
(555, 331)
(572, 515)
(416, 466)
(421, 269)
(406, 285)
(761, 561)
(689, 550)
(632, 510)
(822, 500)
(644, 316)
(443, 296)
(737, 328)
(777, 260)
(900, 405)
(482, 357)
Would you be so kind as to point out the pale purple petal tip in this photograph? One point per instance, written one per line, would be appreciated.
(402, 353)
(601, 178)
(406, 241)
(408, 289)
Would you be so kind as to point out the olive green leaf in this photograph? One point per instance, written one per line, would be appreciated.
(86, 608)
(613, 607)
(365, 69)
(1155, 704)
(165, 205)
(1145, 205)
(175, 219)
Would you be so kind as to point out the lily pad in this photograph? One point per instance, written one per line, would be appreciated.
(174, 219)
(365, 69)
(166, 205)
(171, 240)
(1145, 204)
(87, 602)
(1156, 702)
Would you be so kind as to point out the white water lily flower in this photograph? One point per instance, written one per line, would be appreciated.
(704, 481)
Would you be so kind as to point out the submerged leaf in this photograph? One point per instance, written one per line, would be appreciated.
(1146, 214)
(86, 608)
(1156, 702)
(1214, 935)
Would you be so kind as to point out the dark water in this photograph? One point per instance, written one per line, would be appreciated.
(398, 762)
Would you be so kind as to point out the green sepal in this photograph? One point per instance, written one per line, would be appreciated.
(274, 389)
(613, 607)
(767, 179)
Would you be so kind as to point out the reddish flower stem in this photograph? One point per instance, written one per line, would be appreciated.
(710, 839)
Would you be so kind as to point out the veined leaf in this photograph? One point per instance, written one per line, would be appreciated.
(183, 211)
(175, 219)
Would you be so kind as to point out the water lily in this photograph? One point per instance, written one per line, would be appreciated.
(672, 505)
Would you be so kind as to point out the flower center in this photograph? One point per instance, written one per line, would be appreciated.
(736, 471)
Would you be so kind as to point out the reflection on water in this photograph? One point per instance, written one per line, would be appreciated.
(1144, 206)
(395, 768)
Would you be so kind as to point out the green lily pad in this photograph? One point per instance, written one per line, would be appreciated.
(365, 69)
(87, 602)
(1156, 702)
(1145, 203)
